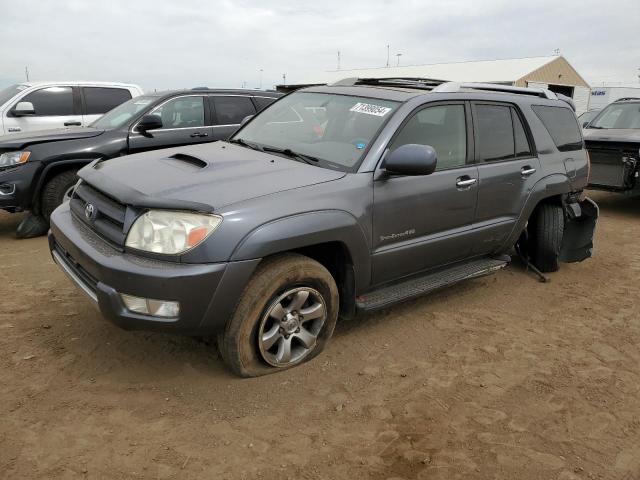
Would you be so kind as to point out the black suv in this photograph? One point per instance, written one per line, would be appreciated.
(613, 142)
(38, 169)
(331, 201)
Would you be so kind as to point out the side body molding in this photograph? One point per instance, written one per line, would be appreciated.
(306, 229)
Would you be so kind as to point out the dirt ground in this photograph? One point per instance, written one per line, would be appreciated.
(501, 377)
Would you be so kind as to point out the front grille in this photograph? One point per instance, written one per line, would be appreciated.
(101, 213)
(86, 280)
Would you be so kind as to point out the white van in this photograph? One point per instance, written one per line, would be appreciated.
(43, 105)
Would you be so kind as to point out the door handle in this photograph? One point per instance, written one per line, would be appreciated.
(72, 123)
(465, 182)
(199, 134)
(526, 171)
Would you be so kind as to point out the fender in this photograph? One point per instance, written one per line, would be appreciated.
(552, 185)
(307, 229)
(52, 166)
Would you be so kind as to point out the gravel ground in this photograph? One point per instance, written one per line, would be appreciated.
(500, 377)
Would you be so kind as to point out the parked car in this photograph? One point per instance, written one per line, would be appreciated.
(38, 170)
(332, 201)
(30, 106)
(586, 117)
(613, 142)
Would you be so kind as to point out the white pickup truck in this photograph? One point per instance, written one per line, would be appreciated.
(44, 105)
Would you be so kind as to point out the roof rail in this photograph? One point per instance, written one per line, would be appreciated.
(624, 99)
(404, 82)
(450, 87)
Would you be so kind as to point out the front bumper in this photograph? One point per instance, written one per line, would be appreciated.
(16, 186)
(207, 293)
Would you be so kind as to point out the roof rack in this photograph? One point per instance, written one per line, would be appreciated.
(450, 87)
(404, 82)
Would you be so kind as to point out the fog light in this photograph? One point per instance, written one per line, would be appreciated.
(148, 306)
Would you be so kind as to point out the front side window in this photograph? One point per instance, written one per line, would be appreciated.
(181, 112)
(51, 101)
(8, 93)
(494, 133)
(335, 129)
(232, 110)
(123, 114)
(100, 100)
(618, 115)
(443, 127)
(562, 125)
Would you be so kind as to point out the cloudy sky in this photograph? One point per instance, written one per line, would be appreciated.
(163, 44)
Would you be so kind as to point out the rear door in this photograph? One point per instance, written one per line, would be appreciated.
(422, 222)
(99, 100)
(185, 121)
(228, 113)
(55, 107)
(507, 167)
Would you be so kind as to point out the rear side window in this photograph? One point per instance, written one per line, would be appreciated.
(263, 102)
(101, 100)
(495, 139)
(562, 125)
(231, 110)
(51, 101)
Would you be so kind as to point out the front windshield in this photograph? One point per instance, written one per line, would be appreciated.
(8, 93)
(120, 115)
(618, 115)
(333, 129)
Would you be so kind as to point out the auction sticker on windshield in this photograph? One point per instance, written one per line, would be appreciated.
(370, 109)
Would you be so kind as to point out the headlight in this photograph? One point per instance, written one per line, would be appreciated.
(13, 158)
(170, 232)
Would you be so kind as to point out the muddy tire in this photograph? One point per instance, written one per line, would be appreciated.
(284, 317)
(55, 192)
(545, 235)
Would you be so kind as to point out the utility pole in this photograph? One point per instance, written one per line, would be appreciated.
(26, 72)
(261, 70)
(284, 79)
(398, 55)
(387, 56)
(338, 59)
(556, 51)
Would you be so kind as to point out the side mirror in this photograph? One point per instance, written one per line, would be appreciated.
(149, 122)
(411, 159)
(246, 119)
(23, 109)
(584, 124)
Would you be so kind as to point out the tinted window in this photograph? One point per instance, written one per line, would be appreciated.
(562, 125)
(101, 100)
(263, 102)
(522, 144)
(231, 110)
(182, 112)
(52, 101)
(442, 127)
(494, 133)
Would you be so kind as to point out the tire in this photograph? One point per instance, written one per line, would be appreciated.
(256, 316)
(546, 237)
(54, 191)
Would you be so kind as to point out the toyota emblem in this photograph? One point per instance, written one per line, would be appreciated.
(90, 212)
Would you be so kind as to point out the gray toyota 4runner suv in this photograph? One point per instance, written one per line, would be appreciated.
(332, 201)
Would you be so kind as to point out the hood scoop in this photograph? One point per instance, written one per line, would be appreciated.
(186, 162)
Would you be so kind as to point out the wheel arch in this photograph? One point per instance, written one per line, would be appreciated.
(52, 169)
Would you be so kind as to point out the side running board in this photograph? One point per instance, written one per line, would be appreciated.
(417, 286)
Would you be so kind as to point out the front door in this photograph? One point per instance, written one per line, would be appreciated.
(422, 222)
(54, 107)
(508, 169)
(184, 122)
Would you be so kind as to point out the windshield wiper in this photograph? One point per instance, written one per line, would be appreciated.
(311, 160)
(244, 143)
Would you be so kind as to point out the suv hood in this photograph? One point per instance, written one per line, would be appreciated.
(204, 177)
(22, 140)
(611, 135)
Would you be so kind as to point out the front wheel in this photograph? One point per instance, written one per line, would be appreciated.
(285, 317)
(57, 191)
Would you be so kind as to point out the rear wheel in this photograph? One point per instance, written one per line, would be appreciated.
(285, 317)
(545, 237)
(57, 191)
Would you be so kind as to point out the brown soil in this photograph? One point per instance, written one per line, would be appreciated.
(501, 377)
